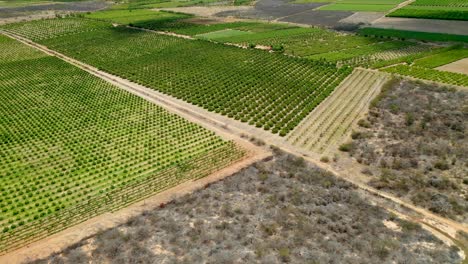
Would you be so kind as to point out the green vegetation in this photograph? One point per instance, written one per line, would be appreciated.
(361, 5)
(148, 4)
(266, 90)
(74, 146)
(295, 40)
(442, 58)
(50, 28)
(226, 33)
(429, 74)
(371, 54)
(403, 34)
(434, 9)
(177, 22)
(136, 17)
(409, 59)
(18, 3)
(301, 41)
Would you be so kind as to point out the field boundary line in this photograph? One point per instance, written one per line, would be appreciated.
(233, 129)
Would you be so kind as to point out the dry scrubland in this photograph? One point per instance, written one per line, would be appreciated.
(281, 210)
(414, 143)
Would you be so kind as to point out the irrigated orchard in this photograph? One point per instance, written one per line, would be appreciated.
(74, 146)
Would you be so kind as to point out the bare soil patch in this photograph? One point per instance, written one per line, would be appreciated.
(460, 66)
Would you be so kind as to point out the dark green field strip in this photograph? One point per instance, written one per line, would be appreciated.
(446, 14)
(430, 74)
(434, 9)
(404, 34)
(68, 138)
(272, 91)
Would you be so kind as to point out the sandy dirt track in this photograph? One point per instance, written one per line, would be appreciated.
(460, 66)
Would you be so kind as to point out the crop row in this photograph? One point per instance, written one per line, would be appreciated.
(431, 13)
(383, 56)
(449, 3)
(442, 58)
(49, 28)
(328, 125)
(272, 91)
(69, 138)
(406, 34)
(430, 74)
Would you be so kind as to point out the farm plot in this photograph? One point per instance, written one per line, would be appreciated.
(49, 28)
(294, 40)
(302, 41)
(361, 5)
(180, 23)
(434, 9)
(430, 74)
(407, 34)
(135, 17)
(270, 91)
(371, 54)
(330, 123)
(442, 58)
(74, 146)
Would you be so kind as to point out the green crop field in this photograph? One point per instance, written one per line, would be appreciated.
(136, 17)
(226, 33)
(429, 74)
(50, 28)
(434, 9)
(148, 4)
(295, 40)
(74, 146)
(442, 58)
(301, 41)
(403, 34)
(272, 91)
(177, 22)
(361, 5)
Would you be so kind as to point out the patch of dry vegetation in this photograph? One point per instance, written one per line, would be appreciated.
(414, 143)
(281, 210)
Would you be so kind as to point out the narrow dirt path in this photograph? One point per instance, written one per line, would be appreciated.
(232, 128)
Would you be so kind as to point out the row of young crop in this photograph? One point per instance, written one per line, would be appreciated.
(49, 28)
(271, 91)
(119, 197)
(329, 124)
(429, 74)
(431, 13)
(71, 137)
(371, 60)
(442, 58)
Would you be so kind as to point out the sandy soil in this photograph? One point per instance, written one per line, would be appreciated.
(425, 25)
(460, 66)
